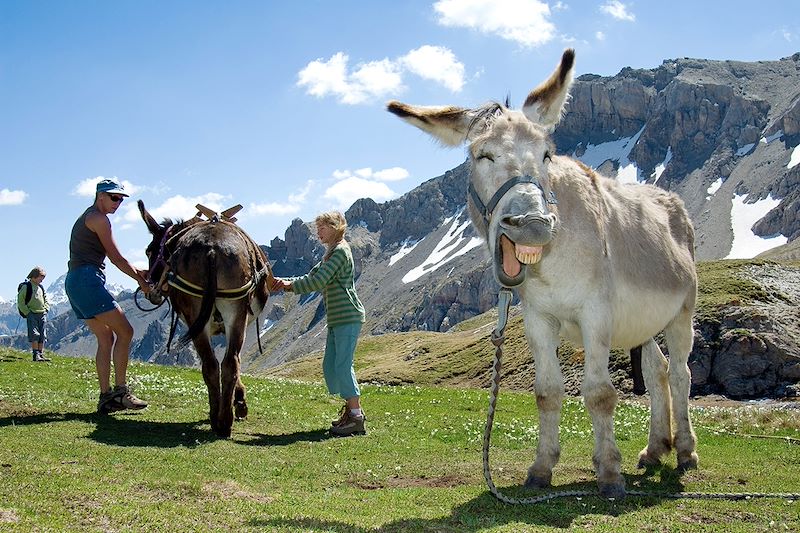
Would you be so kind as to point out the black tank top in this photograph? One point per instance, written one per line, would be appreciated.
(85, 247)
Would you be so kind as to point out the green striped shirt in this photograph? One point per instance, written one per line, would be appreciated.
(333, 277)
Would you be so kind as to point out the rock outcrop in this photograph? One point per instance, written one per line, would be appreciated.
(752, 350)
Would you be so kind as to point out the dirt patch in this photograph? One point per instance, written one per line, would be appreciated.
(229, 490)
(8, 516)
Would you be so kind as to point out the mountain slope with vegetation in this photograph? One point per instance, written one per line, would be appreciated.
(747, 334)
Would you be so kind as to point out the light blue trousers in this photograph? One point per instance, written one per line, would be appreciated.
(337, 364)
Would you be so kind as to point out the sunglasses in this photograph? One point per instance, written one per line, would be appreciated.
(116, 198)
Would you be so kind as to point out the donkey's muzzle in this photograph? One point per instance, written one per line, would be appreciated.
(532, 228)
(517, 221)
(155, 297)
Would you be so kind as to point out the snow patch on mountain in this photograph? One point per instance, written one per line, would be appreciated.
(405, 248)
(795, 158)
(619, 150)
(452, 245)
(747, 244)
(777, 135)
(663, 165)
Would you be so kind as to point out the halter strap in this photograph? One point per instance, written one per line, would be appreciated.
(486, 210)
(160, 257)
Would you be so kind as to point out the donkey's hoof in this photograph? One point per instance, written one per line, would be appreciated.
(223, 433)
(614, 491)
(688, 464)
(538, 482)
(647, 461)
(240, 409)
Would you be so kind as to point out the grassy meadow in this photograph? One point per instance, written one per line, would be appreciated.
(64, 468)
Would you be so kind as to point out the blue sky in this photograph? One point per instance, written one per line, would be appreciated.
(280, 106)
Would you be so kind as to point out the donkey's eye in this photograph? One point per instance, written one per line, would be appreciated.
(546, 156)
(486, 156)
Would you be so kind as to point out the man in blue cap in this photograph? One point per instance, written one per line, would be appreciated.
(90, 243)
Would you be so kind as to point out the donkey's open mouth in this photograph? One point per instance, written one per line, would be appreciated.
(510, 257)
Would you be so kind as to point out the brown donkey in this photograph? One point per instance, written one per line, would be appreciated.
(600, 263)
(217, 280)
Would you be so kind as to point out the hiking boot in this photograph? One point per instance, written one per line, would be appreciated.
(127, 399)
(118, 399)
(344, 412)
(106, 403)
(39, 358)
(353, 425)
(341, 418)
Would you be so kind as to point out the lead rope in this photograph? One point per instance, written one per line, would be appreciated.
(498, 338)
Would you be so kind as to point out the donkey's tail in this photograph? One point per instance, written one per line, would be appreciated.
(207, 303)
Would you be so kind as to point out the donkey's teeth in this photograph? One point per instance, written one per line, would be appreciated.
(528, 255)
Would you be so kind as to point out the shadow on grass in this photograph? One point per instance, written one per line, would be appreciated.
(127, 430)
(485, 511)
(124, 431)
(261, 439)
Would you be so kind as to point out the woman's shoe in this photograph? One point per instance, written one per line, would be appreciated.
(353, 425)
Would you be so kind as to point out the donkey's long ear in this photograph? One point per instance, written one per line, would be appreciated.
(448, 124)
(151, 223)
(545, 103)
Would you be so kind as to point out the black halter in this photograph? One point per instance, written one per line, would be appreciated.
(486, 210)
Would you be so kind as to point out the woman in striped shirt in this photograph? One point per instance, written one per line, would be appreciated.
(333, 277)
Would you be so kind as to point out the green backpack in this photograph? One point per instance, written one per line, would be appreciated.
(28, 295)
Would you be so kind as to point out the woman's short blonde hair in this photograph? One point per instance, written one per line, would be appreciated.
(36, 272)
(335, 220)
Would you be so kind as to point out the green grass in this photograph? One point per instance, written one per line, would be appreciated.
(721, 283)
(64, 468)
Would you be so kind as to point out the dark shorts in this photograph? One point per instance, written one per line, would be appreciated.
(86, 290)
(35, 327)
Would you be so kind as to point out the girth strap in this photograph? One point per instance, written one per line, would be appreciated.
(190, 288)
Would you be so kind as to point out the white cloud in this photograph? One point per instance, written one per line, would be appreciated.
(600, 36)
(365, 172)
(300, 196)
(376, 80)
(387, 174)
(88, 187)
(346, 191)
(273, 208)
(293, 204)
(325, 77)
(341, 174)
(179, 207)
(368, 81)
(618, 10)
(436, 63)
(12, 197)
(391, 174)
(523, 21)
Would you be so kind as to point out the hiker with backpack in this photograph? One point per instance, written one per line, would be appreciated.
(33, 306)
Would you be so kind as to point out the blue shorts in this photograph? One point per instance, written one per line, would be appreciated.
(36, 327)
(86, 290)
